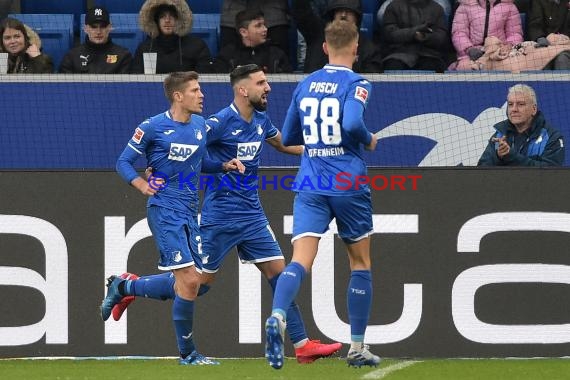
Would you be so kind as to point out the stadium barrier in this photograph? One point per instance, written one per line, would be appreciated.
(466, 263)
(84, 121)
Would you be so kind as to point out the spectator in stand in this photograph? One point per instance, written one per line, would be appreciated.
(416, 36)
(252, 47)
(23, 46)
(476, 20)
(525, 138)
(168, 24)
(549, 23)
(277, 20)
(98, 55)
(311, 26)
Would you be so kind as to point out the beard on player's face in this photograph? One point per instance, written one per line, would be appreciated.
(259, 104)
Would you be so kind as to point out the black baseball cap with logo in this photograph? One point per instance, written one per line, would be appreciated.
(97, 15)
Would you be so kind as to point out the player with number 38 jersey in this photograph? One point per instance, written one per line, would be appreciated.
(326, 116)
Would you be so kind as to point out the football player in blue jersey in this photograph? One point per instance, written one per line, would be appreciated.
(238, 131)
(326, 115)
(174, 143)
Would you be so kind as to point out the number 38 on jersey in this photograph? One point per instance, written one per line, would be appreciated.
(321, 121)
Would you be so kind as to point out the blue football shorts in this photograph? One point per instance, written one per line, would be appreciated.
(254, 239)
(177, 237)
(312, 214)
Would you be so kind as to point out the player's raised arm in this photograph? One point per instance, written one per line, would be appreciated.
(277, 142)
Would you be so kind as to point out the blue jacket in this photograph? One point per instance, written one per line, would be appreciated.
(541, 145)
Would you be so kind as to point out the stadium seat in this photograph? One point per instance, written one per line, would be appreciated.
(126, 31)
(134, 6)
(367, 25)
(370, 6)
(55, 31)
(205, 6)
(75, 7)
(121, 6)
(207, 27)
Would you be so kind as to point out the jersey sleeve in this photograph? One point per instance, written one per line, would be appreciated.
(214, 129)
(136, 147)
(353, 117)
(270, 129)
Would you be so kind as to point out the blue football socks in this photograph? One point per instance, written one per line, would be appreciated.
(158, 286)
(287, 288)
(295, 325)
(183, 317)
(359, 300)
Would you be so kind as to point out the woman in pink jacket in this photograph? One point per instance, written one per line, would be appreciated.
(475, 20)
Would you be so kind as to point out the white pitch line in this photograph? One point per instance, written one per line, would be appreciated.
(383, 372)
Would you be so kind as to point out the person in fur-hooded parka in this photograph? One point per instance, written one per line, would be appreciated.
(168, 24)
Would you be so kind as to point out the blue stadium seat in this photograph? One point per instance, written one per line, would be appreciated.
(370, 6)
(134, 6)
(367, 25)
(125, 32)
(55, 31)
(76, 7)
(207, 27)
(121, 6)
(205, 6)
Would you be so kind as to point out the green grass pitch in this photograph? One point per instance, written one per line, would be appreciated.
(326, 369)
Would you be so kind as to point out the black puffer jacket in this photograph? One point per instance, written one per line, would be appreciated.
(548, 16)
(270, 58)
(401, 19)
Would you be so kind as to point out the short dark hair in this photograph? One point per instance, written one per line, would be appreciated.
(176, 81)
(242, 72)
(246, 16)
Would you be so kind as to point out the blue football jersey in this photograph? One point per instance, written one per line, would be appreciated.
(174, 150)
(230, 136)
(333, 153)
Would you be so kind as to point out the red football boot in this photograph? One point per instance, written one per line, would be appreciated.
(314, 350)
(120, 308)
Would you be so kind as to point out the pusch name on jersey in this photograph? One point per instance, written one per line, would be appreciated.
(323, 87)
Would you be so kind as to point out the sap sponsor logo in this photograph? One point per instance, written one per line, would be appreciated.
(248, 151)
(466, 140)
(181, 152)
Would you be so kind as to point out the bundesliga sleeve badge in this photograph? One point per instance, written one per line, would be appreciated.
(137, 137)
(361, 94)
